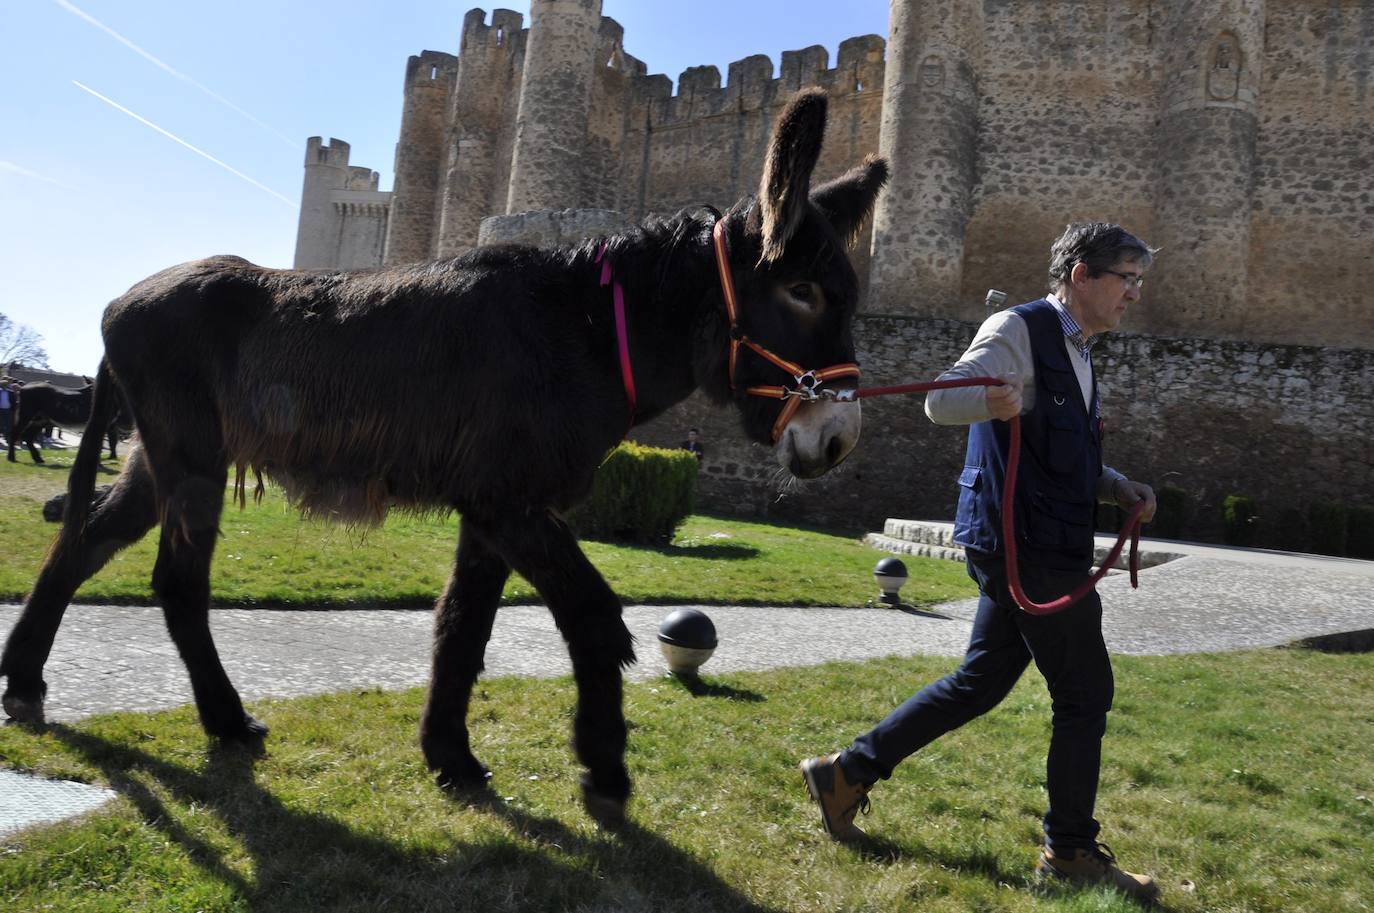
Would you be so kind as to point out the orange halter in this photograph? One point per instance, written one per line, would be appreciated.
(808, 383)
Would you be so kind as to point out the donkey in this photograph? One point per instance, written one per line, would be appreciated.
(523, 385)
(42, 404)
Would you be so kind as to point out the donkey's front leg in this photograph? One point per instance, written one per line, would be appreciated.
(587, 612)
(462, 627)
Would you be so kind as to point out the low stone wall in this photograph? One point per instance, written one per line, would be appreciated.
(1286, 425)
(549, 227)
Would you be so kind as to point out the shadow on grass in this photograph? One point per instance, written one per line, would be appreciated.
(696, 686)
(982, 864)
(720, 551)
(301, 860)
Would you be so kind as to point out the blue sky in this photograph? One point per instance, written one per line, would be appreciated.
(100, 100)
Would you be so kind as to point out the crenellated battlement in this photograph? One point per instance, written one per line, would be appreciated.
(431, 69)
(506, 34)
(750, 84)
(317, 152)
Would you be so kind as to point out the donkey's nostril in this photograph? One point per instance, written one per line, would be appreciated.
(834, 451)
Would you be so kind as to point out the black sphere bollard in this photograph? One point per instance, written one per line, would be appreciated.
(687, 638)
(891, 575)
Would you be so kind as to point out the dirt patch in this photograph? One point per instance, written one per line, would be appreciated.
(35, 488)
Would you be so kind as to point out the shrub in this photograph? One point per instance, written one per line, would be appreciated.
(1238, 520)
(1328, 527)
(1359, 532)
(639, 494)
(1171, 517)
(1291, 533)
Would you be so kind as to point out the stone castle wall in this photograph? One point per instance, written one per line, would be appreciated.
(1235, 135)
(1287, 425)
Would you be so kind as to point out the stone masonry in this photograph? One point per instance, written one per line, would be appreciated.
(1233, 134)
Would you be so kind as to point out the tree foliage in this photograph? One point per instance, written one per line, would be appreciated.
(20, 344)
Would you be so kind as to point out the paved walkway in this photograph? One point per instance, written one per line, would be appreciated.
(110, 658)
(120, 658)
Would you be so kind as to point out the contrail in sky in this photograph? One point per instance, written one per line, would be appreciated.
(147, 123)
(181, 76)
(23, 172)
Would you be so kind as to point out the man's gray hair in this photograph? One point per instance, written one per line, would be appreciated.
(1097, 245)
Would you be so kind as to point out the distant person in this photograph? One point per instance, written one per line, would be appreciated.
(7, 401)
(693, 444)
(1043, 352)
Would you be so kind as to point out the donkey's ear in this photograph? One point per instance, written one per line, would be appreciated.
(848, 200)
(786, 180)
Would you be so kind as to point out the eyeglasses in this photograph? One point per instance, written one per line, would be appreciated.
(1132, 280)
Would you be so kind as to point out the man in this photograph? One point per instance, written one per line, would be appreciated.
(693, 443)
(7, 404)
(1043, 351)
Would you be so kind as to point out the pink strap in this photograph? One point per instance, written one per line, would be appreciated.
(627, 375)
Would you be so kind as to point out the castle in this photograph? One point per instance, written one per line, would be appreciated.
(1235, 135)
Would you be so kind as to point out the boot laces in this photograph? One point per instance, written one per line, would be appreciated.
(1103, 853)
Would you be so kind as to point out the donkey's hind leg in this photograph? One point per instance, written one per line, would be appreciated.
(544, 551)
(462, 627)
(121, 518)
(181, 580)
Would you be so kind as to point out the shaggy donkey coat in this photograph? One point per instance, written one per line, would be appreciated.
(489, 384)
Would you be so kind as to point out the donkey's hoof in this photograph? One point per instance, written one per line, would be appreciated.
(248, 731)
(467, 774)
(24, 709)
(607, 811)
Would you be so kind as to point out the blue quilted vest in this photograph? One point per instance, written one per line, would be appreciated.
(1061, 459)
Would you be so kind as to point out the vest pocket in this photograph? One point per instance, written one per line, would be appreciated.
(1065, 444)
(1058, 524)
(971, 527)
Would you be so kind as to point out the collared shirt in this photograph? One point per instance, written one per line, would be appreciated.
(1072, 331)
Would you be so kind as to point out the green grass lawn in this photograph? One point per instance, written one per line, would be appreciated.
(1242, 781)
(269, 556)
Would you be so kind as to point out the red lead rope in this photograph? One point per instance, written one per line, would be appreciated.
(1132, 527)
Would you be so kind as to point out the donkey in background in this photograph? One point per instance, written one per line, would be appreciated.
(516, 354)
(42, 404)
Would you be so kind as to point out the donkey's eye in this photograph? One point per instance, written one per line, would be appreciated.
(803, 291)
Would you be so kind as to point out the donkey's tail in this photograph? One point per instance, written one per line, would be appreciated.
(81, 482)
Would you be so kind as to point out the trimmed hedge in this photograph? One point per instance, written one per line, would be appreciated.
(1327, 526)
(1359, 532)
(639, 494)
(1172, 514)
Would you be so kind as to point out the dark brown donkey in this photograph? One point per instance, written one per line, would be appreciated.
(490, 384)
(42, 404)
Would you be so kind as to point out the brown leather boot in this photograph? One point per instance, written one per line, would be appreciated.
(1096, 866)
(839, 799)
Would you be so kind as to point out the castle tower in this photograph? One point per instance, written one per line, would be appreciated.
(555, 101)
(1212, 53)
(486, 61)
(420, 156)
(317, 233)
(928, 134)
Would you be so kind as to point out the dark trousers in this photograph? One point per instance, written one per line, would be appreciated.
(1069, 652)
